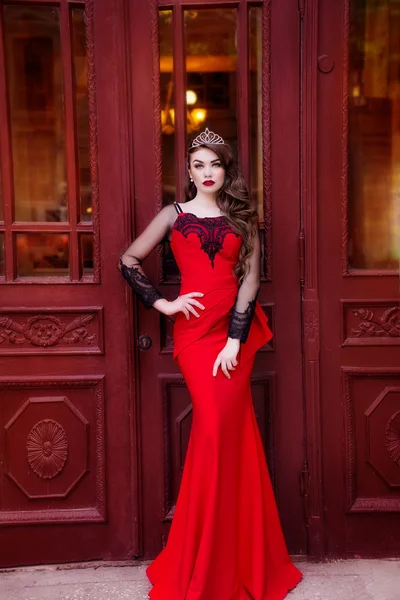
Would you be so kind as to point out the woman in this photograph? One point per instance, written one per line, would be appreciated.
(225, 541)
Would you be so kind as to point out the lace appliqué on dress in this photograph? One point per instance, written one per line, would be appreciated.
(240, 322)
(211, 231)
(140, 284)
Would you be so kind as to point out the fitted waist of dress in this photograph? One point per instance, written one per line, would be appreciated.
(194, 284)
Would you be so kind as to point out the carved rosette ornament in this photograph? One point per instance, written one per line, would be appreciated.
(47, 448)
(393, 438)
(311, 326)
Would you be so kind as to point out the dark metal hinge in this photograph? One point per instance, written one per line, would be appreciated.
(305, 485)
(302, 257)
(302, 7)
(304, 482)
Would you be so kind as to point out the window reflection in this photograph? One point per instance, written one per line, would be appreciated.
(211, 63)
(86, 248)
(167, 98)
(374, 134)
(35, 87)
(2, 266)
(42, 254)
(82, 112)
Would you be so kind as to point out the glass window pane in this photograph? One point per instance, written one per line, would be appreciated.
(82, 112)
(374, 134)
(86, 249)
(256, 151)
(2, 254)
(1, 199)
(42, 254)
(35, 87)
(211, 63)
(167, 97)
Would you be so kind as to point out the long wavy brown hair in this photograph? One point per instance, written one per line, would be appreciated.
(234, 201)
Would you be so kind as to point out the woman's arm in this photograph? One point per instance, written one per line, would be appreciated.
(242, 314)
(243, 311)
(130, 262)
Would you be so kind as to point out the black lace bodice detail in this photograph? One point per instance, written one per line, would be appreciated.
(211, 231)
(239, 324)
(140, 284)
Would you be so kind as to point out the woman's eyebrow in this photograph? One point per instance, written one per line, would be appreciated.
(200, 161)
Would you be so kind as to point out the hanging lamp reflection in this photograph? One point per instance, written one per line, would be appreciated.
(195, 116)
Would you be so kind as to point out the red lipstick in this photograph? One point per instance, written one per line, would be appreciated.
(209, 182)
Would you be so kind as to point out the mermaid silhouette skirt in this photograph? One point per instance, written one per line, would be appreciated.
(225, 541)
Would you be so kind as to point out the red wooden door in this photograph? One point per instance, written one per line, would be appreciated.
(67, 465)
(219, 64)
(358, 141)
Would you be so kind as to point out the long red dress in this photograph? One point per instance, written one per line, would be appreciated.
(225, 540)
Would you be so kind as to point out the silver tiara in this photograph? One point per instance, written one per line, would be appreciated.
(207, 137)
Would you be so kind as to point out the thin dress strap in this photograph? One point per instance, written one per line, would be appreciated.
(177, 208)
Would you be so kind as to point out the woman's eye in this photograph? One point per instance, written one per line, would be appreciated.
(217, 165)
(198, 166)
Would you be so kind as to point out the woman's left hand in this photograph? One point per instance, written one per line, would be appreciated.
(226, 359)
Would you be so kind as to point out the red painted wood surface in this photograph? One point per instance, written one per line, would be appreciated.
(163, 401)
(67, 446)
(359, 372)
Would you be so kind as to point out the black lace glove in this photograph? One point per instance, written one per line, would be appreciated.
(240, 322)
(140, 284)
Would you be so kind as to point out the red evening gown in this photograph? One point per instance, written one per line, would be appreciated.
(225, 540)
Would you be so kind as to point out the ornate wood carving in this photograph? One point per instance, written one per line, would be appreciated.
(47, 448)
(355, 502)
(311, 326)
(393, 438)
(388, 324)
(51, 331)
(49, 452)
(266, 135)
(93, 144)
(371, 323)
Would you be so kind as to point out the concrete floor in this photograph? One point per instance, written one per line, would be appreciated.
(347, 580)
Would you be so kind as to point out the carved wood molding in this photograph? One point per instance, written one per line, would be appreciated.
(93, 136)
(312, 464)
(344, 136)
(47, 450)
(393, 438)
(355, 503)
(266, 113)
(370, 322)
(51, 331)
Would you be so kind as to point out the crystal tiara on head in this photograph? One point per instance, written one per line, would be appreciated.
(207, 137)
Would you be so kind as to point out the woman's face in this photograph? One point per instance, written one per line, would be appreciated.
(207, 171)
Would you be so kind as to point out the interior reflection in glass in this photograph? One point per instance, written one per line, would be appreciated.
(42, 254)
(374, 135)
(211, 64)
(2, 254)
(36, 102)
(82, 112)
(86, 250)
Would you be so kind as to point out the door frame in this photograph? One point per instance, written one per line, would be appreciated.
(278, 135)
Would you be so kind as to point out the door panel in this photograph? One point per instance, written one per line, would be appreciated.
(227, 63)
(358, 141)
(65, 464)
